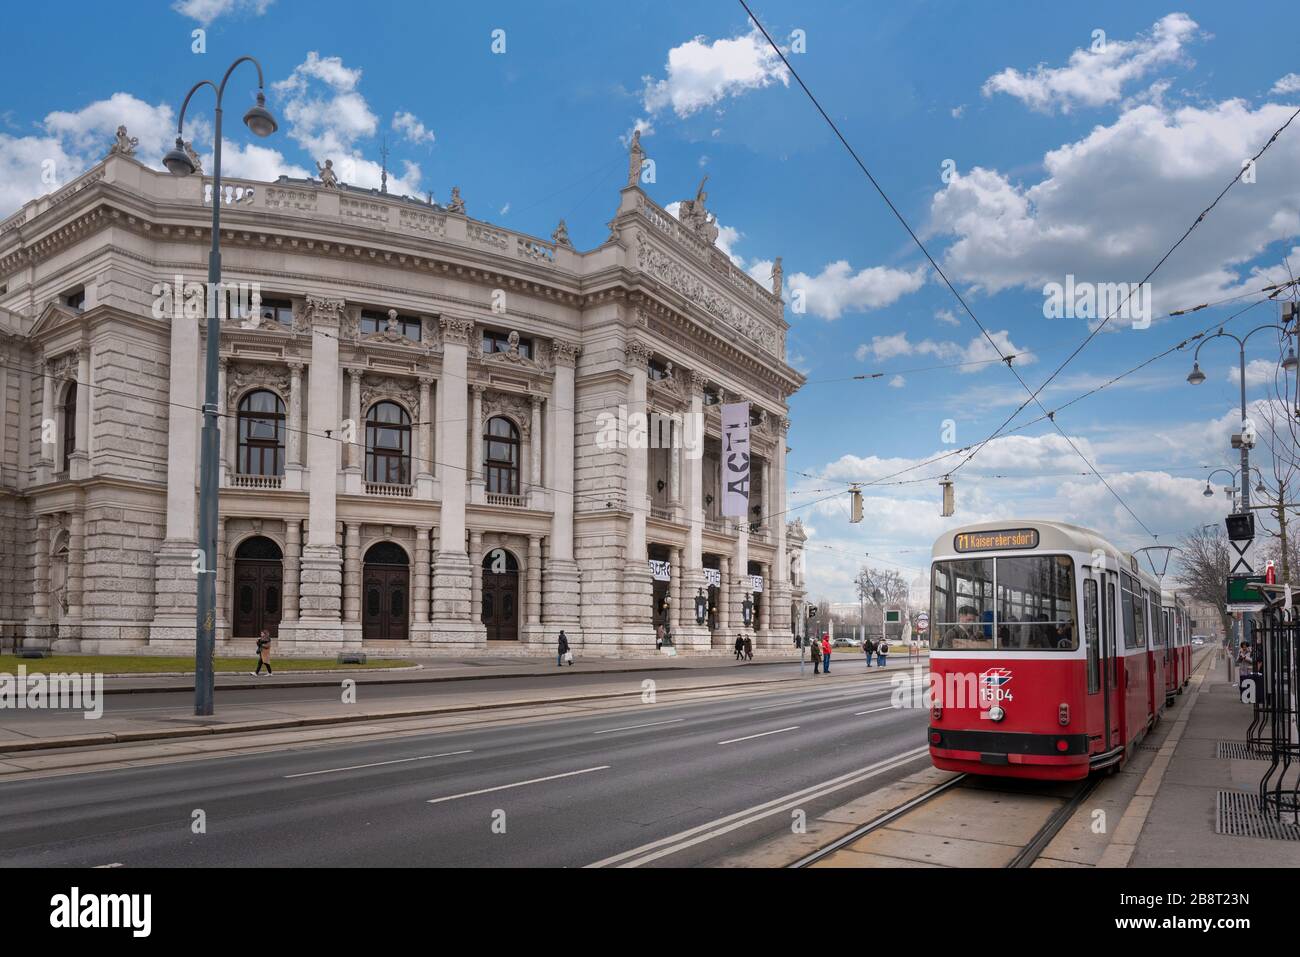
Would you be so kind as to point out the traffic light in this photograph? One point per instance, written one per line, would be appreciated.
(948, 504)
(1241, 526)
(855, 504)
(812, 611)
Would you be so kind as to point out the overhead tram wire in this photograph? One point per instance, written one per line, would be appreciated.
(937, 268)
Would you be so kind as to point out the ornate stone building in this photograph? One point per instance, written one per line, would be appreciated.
(412, 453)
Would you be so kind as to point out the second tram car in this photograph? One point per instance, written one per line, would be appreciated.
(1048, 654)
(1178, 657)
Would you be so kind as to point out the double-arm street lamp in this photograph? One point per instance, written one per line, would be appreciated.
(1260, 488)
(178, 163)
(1197, 377)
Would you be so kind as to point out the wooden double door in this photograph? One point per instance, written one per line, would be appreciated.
(258, 592)
(385, 602)
(500, 613)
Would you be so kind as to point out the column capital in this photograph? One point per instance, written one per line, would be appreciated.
(698, 380)
(324, 311)
(565, 353)
(296, 367)
(427, 381)
(478, 388)
(536, 402)
(355, 374)
(457, 331)
(637, 353)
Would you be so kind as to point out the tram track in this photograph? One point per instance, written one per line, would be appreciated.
(1025, 857)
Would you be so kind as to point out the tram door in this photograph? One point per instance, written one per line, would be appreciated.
(1111, 660)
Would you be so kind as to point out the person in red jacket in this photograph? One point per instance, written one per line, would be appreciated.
(826, 654)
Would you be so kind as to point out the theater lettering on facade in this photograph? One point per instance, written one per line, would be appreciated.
(410, 447)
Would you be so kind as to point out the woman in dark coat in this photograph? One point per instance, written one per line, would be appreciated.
(562, 650)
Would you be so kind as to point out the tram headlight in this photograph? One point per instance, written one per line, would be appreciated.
(1063, 714)
(936, 713)
(996, 713)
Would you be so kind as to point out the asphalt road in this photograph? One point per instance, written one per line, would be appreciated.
(561, 792)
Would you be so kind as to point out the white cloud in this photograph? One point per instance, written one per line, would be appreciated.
(700, 73)
(250, 161)
(1287, 85)
(410, 126)
(897, 382)
(205, 11)
(1258, 372)
(978, 350)
(1110, 203)
(957, 111)
(947, 317)
(327, 116)
(837, 289)
(1096, 77)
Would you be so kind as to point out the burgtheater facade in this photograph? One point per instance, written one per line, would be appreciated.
(411, 451)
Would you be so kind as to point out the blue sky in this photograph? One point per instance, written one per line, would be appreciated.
(1071, 155)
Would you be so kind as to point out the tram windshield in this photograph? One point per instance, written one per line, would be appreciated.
(1020, 603)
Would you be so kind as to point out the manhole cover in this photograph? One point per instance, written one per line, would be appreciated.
(1237, 814)
(1242, 752)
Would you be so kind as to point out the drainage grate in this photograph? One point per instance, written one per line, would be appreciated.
(1242, 752)
(1237, 814)
(1148, 747)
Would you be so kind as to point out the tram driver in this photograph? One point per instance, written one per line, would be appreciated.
(966, 633)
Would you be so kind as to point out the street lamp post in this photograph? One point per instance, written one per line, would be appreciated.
(178, 163)
(1196, 377)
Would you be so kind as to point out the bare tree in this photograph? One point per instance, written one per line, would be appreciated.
(882, 586)
(1203, 571)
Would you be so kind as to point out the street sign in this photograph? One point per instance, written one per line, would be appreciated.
(1240, 592)
(892, 616)
(922, 622)
(812, 611)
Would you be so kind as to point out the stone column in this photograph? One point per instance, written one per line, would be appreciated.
(675, 464)
(76, 562)
(48, 426)
(452, 619)
(322, 574)
(692, 463)
(535, 444)
(765, 603)
(425, 469)
(534, 583)
(638, 588)
(79, 466)
(294, 438)
(223, 573)
(175, 586)
(725, 591)
(740, 576)
(352, 573)
(475, 440)
(41, 598)
(356, 448)
(476, 574)
(292, 567)
(782, 592)
(677, 614)
(4, 412)
(227, 428)
(420, 591)
(562, 590)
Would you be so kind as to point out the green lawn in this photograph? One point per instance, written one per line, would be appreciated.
(152, 664)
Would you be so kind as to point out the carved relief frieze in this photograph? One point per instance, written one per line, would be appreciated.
(375, 388)
(518, 408)
(242, 377)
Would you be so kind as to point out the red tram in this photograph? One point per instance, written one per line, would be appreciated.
(1048, 657)
(1178, 647)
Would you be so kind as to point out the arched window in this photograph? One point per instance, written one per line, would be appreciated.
(261, 434)
(388, 444)
(69, 424)
(501, 456)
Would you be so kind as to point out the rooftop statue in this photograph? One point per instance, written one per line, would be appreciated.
(778, 277)
(561, 235)
(123, 144)
(328, 178)
(194, 156)
(457, 205)
(635, 157)
(696, 218)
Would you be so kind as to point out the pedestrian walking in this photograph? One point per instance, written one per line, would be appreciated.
(740, 647)
(816, 655)
(826, 654)
(882, 649)
(263, 652)
(868, 649)
(562, 652)
(749, 648)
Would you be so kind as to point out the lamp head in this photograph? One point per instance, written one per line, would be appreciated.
(259, 118)
(178, 161)
(1196, 377)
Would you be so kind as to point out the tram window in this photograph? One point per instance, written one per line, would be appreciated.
(961, 612)
(1112, 673)
(1044, 616)
(1090, 623)
(1131, 615)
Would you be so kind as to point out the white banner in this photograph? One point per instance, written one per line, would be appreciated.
(735, 460)
(660, 571)
(755, 582)
(712, 577)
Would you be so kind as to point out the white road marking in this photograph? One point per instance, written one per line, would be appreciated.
(704, 832)
(858, 714)
(632, 727)
(517, 784)
(116, 864)
(762, 734)
(377, 764)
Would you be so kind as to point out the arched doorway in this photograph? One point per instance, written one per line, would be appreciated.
(385, 590)
(259, 587)
(500, 611)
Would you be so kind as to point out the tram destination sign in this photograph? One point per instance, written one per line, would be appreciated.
(995, 540)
